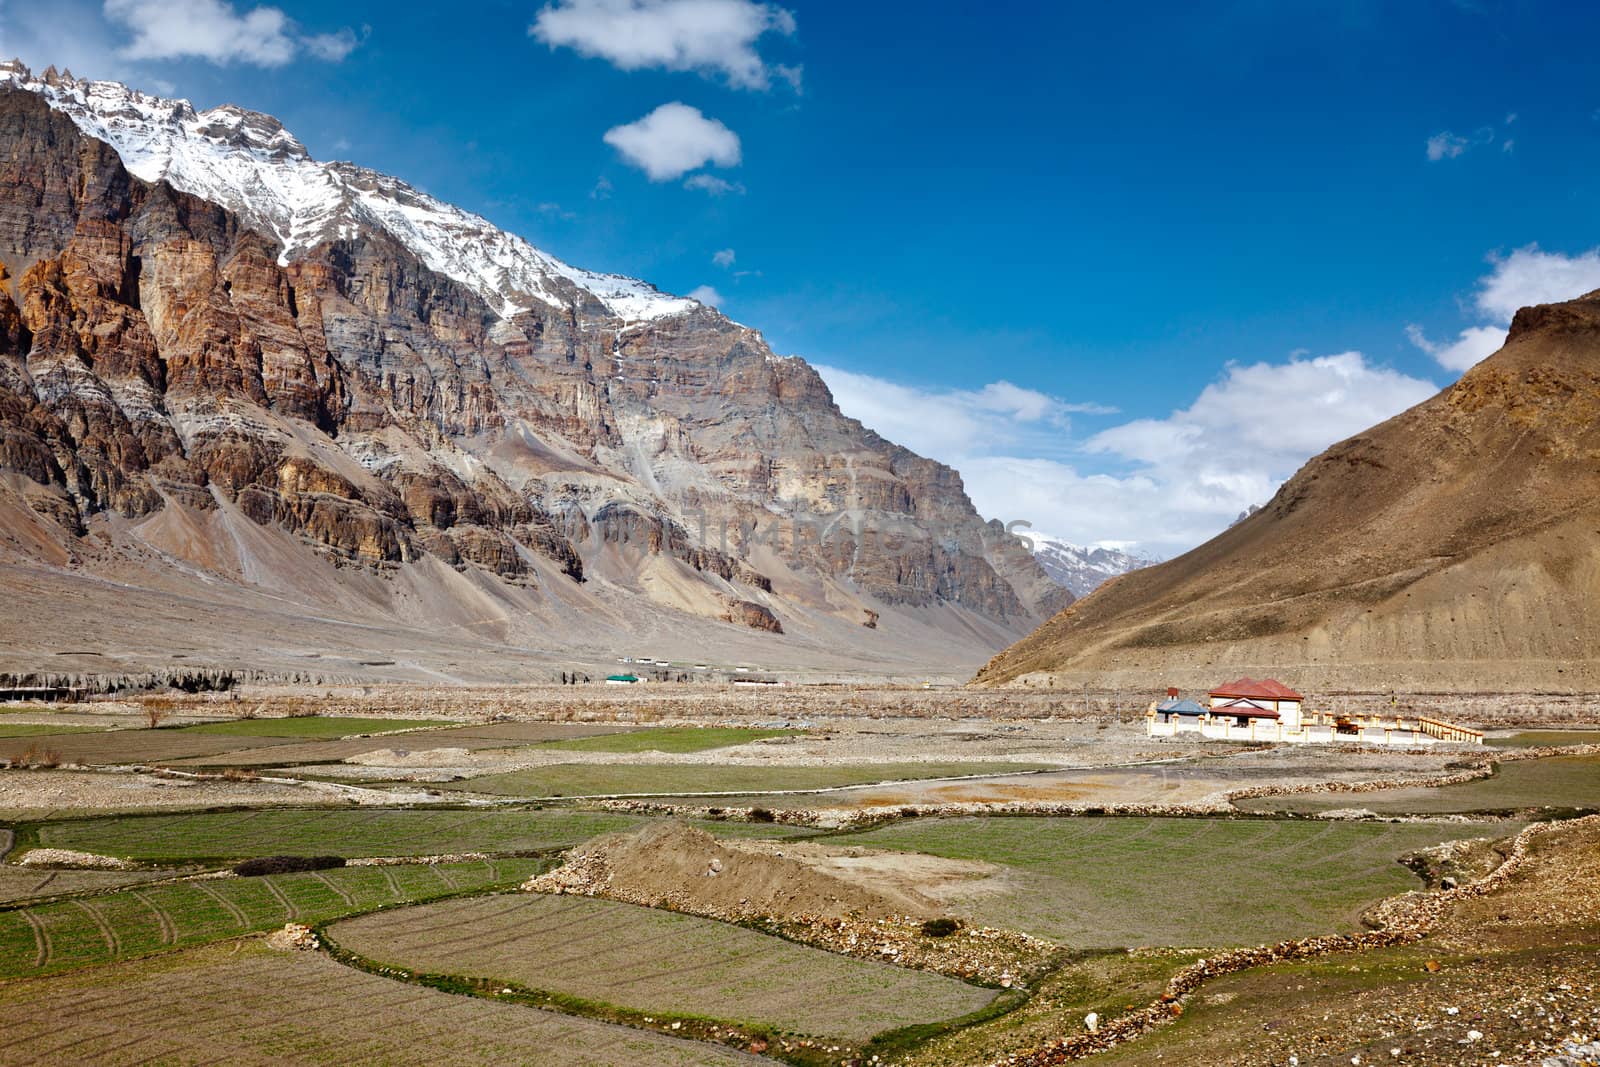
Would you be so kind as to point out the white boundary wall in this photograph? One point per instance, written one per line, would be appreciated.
(1257, 730)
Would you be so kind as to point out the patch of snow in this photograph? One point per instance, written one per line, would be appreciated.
(1081, 568)
(248, 163)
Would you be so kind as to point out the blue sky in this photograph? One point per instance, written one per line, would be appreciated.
(1086, 253)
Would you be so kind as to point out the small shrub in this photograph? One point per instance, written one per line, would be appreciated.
(239, 774)
(155, 715)
(286, 865)
(942, 927)
(762, 815)
(909, 813)
(37, 758)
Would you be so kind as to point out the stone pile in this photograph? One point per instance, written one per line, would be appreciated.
(297, 936)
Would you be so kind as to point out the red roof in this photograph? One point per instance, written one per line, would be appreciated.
(1257, 689)
(1245, 710)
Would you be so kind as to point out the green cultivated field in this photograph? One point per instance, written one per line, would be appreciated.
(1538, 738)
(234, 835)
(75, 933)
(34, 729)
(587, 780)
(669, 739)
(310, 726)
(1559, 782)
(244, 1004)
(1111, 882)
(25, 883)
(341, 832)
(659, 962)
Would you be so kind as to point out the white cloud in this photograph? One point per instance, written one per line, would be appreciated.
(1447, 145)
(1526, 277)
(1529, 276)
(712, 185)
(1269, 415)
(948, 424)
(709, 36)
(673, 140)
(1165, 484)
(706, 295)
(1473, 345)
(214, 30)
(332, 46)
(724, 258)
(67, 34)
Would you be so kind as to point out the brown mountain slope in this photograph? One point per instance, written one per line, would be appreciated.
(1456, 546)
(216, 451)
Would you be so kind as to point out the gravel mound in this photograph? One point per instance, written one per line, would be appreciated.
(680, 867)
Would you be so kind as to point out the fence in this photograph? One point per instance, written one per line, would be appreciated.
(1317, 728)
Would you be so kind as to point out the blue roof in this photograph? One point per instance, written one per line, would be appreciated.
(1181, 707)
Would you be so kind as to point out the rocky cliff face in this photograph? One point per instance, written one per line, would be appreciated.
(1454, 547)
(345, 363)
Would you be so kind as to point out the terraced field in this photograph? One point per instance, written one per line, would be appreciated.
(103, 747)
(342, 832)
(670, 739)
(587, 780)
(23, 883)
(310, 726)
(235, 835)
(68, 934)
(1112, 882)
(1562, 782)
(36, 729)
(269, 742)
(245, 1004)
(657, 961)
(1535, 738)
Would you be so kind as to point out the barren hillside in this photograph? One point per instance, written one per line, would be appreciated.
(1454, 547)
(258, 410)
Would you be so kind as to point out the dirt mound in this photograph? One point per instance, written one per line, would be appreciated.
(679, 867)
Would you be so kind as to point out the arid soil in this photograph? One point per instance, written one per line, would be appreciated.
(37, 794)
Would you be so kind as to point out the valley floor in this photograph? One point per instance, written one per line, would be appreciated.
(697, 874)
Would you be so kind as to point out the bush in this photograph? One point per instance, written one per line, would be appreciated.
(286, 865)
(762, 815)
(940, 927)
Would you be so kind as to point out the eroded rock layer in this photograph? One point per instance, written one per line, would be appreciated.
(172, 376)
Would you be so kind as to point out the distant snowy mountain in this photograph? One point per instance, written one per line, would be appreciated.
(1082, 568)
(248, 163)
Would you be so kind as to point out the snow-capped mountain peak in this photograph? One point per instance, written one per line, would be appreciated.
(249, 163)
(1082, 568)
